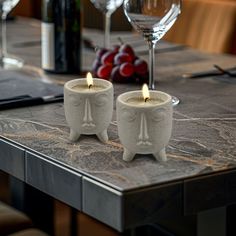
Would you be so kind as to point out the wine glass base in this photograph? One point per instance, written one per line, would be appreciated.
(11, 62)
(175, 100)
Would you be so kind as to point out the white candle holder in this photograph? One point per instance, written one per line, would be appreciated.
(88, 110)
(144, 127)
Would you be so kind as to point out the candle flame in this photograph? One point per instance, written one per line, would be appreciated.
(146, 95)
(89, 79)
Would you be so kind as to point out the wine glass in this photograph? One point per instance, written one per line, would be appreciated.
(7, 61)
(107, 7)
(153, 18)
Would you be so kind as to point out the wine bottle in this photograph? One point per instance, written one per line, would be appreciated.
(61, 36)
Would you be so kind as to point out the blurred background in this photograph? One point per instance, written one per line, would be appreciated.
(207, 25)
(92, 18)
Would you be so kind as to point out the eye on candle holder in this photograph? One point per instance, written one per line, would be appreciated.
(88, 107)
(144, 123)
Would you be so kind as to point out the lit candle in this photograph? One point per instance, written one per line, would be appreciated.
(88, 84)
(146, 94)
(89, 79)
(88, 105)
(147, 116)
(144, 99)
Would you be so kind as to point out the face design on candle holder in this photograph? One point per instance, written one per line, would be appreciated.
(88, 109)
(147, 128)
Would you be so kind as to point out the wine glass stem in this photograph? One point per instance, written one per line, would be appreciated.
(151, 64)
(3, 41)
(107, 30)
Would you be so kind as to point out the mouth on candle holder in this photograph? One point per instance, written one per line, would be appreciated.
(145, 91)
(89, 79)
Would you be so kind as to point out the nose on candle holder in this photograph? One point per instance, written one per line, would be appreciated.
(144, 125)
(88, 108)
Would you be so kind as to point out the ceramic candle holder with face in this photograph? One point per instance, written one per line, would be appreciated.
(88, 110)
(144, 127)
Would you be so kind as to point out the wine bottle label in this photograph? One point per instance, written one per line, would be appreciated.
(48, 46)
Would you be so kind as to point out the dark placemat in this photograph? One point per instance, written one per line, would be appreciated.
(16, 83)
(23, 88)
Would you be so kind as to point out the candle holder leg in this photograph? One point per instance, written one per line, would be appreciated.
(161, 156)
(102, 136)
(127, 155)
(74, 135)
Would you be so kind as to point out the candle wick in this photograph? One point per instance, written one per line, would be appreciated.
(146, 99)
(90, 86)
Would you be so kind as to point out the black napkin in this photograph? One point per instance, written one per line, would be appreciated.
(20, 88)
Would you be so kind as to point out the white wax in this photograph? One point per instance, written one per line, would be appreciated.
(140, 101)
(85, 88)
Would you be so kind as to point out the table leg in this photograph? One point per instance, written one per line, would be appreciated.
(212, 222)
(37, 205)
(231, 215)
(148, 230)
(74, 222)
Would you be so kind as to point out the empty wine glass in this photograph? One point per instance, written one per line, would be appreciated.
(107, 7)
(6, 60)
(153, 18)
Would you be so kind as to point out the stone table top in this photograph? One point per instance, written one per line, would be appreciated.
(204, 127)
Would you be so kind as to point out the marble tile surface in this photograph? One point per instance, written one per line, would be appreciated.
(203, 138)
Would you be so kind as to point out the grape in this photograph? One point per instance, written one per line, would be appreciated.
(116, 48)
(100, 52)
(95, 66)
(122, 57)
(108, 57)
(104, 71)
(127, 69)
(126, 48)
(116, 76)
(120, 64)
(140, 67)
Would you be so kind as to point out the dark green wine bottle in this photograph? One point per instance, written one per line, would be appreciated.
(61, 36)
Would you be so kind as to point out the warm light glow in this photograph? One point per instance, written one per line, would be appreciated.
(145, 91)
(89, 79)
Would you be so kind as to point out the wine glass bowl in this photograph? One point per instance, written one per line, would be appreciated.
(152, 18)
(107, 7)
(7, 61)
(8, 5)
(154, 23)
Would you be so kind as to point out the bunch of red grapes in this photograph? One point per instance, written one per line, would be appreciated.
(120, 64)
